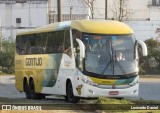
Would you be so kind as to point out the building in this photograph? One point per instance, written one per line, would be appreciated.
(18, 15)
(144, 15)
(146, 18)
(71, 10)
(141, 10)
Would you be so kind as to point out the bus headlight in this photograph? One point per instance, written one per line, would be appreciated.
(136, 81)
(87, 81)
(133, 84)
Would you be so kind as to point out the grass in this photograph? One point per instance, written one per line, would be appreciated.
(104, 100)
(116, 105)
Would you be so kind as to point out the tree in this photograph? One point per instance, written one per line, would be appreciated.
(120, 10)
(154, 50)
(7, 55)
(89, 3)
(153, 56)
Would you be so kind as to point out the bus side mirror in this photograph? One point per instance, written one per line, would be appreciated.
(82, 48)
(144, 47)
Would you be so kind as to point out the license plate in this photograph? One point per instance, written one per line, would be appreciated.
(114, 93)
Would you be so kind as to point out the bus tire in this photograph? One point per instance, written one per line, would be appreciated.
(27, 90)
(70, 96)
(41, 96)
(34, 95)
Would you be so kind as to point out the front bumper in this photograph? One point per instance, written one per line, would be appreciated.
(89, 91)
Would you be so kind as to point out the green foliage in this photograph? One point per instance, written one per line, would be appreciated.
(153, 55)
(7, 56)
(111, 104)
(104, 100)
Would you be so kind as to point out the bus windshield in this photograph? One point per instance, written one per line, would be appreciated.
(110, 55)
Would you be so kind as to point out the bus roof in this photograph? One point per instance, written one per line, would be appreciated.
(87, 26)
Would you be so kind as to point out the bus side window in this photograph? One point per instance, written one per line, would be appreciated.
(24, 45)
(30, 44)
(66, 43)
(57, 42)
(77, 35)
(18, 44)
(46, 43)
(59, 39)
(39, 49)
(54, 42)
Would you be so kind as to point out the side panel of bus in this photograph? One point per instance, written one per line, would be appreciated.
(38, 58)
(43, 69)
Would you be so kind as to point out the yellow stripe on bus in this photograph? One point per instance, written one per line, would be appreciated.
(103, 81)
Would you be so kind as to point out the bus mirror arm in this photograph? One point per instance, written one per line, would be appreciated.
(82, 48)
(144, 47)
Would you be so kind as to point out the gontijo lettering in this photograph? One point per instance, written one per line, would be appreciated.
(33, 61)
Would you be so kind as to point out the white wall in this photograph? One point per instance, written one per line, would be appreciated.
(144, 29)
(34, 16)
(144, 20)
(79, 10)
(155, 13)
(78, 6)
(140, 9)
(39, 16)
(99, 9)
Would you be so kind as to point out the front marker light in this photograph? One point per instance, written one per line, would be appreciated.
(92, 83)
(132, 84)
(85, 80)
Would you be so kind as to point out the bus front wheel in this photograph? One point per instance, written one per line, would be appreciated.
(70, 96)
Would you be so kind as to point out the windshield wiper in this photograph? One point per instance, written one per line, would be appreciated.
(111, 57)
(106, 67)
(121, 68)
(115, 61)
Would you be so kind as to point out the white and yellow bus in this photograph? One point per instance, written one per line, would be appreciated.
(78, 59)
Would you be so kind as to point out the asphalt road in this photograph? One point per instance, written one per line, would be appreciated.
(7, 88)
(149, 88)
